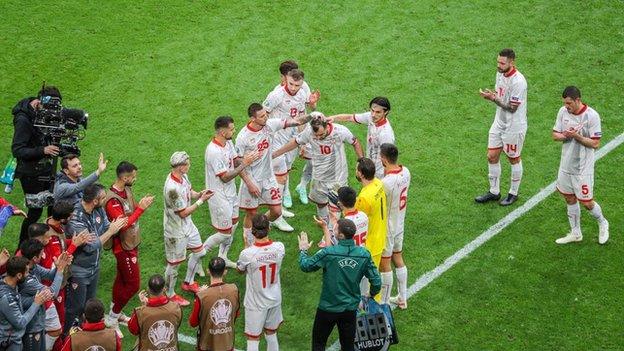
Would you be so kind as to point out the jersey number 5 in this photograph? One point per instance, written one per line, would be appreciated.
(263, 272)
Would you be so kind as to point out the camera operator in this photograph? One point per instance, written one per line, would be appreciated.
(34, 156)
(69, 184)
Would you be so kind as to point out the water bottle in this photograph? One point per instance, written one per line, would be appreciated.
(8, 174)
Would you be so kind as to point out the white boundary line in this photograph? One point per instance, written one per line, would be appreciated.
(430, 276)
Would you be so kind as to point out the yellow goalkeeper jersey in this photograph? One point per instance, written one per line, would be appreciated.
(372, 201)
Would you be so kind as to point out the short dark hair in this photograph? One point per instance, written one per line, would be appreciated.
(49, 90)
(223, 122)
(287, 66)
(125, 167)
(366, 166)
(260, 226)
(508, 53)
(15, 265)
(62, 210)
(94, 310)
(296, 74)
(390, 152)
(347, 196)
(92, 191)
(156, 284)
(253, 108)
(346, 227)
(571, 92)
(216, 267)
(316, 123)
(381, 101)
(36, 230)
(65, 160)
(31, 248)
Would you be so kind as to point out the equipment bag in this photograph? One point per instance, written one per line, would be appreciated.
(375, 329)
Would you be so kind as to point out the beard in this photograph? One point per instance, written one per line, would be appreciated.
(21, 280)
(358, 178)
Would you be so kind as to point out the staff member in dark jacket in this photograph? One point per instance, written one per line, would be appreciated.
(343, 265)
(34, 156)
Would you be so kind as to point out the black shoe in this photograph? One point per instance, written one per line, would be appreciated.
(510, 199)
(487, 197)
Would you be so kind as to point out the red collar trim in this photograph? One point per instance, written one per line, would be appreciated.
(176, 179)
(351, 213)
(582, 110)
(288, 91)
(56, 228)
(381, 122)
(252, 129)
(86, 326)
(157, 301)
(214, 140)
(510, 73)
(263, 244)
(396, 171)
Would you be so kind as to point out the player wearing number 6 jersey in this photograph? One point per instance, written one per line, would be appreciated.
(396, 185)
(578, 127)
(509, 127)
(263, 294)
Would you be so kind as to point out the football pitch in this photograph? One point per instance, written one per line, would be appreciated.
(154, 75)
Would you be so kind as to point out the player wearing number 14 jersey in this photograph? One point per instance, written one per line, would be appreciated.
(263, 294)
(509, 127)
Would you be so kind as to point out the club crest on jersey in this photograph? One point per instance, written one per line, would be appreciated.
(161, 333)
(347, 262)
(134, 260)
(95, 348)
(98, 219)
(74, 286)
(221, 311)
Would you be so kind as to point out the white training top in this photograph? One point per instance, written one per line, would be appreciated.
(396, 185)
(576, 158)
(262, 263)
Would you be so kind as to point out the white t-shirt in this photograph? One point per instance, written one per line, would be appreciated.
(511, 88)
(360, 220)
(396, 185)
(219, 159)
(378, 133)
(576, 158)
(262, 263)
(177, 195)
(249, 139)
(329, 159)
(282, 105)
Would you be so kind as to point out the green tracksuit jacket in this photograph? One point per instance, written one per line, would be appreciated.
(343, 265)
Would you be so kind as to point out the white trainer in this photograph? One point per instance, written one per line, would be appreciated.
(287, 214)
(113, 324)
(396, 300)
(603, 232)
(570, 238)
(281, 224)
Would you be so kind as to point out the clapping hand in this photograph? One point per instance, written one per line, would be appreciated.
(251, 157)
(4, 256)
(118, 223)
(304, 245)
(84, 237)
(62, 261)
(143, 297)
(487, 94)
(43, 295)
(205, 194)
(146, 201)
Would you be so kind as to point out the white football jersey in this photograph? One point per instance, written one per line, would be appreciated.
(249, 139)
(283, 105)
(329, 159)
(396, 185)
(378, 133)
(360, 220)
(177, 195)
(262, 264)
(511, 88)
(219, 159)
(576, 158)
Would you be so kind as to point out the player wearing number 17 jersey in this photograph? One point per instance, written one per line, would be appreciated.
(262, 262)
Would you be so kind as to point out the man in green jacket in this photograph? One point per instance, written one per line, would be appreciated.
(343, 265)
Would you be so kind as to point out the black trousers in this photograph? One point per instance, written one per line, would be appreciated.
(34, 341)
(324, 324)
(77, 292)
(32, 185)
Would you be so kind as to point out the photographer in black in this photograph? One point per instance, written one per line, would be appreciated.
(34, 155)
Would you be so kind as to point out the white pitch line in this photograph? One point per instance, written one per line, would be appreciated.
(430, 276)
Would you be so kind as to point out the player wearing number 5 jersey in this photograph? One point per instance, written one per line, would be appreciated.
(396, 185)
(509, 127)
(578, 127)
(263, 294)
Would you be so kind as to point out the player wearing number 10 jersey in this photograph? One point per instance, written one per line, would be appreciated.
(263, 294)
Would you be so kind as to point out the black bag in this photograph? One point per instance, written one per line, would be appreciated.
(375, 329)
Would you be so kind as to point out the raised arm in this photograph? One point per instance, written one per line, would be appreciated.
(289, 146)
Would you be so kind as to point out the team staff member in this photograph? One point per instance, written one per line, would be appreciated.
(69, 184)
(344, 265)
(93, 334)
(120, 202)
(215, 311)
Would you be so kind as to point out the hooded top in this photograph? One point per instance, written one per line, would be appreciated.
(28, 142)
(13, 319)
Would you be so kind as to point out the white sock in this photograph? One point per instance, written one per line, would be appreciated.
(364, 287)
(224, 247)
(215, 240)
(271, 340)
(516, 177)
(386, 286)
(286, 189)
(401, 274)
(248, 236)
(494, 172)
(191, 269)
(596, 212)
(49, 341)
(306, 174)
(574, 217)
(323, 213)
(281, 189)
(171, 276)
(252, 345)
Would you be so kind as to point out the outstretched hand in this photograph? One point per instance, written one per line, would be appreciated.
(304, 244)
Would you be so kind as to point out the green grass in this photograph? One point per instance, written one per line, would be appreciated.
(154, 75)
